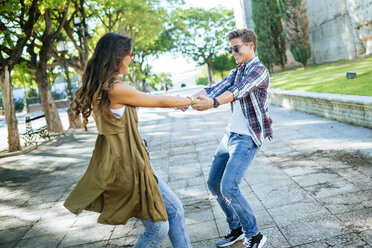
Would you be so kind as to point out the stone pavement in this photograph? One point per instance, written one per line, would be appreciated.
(309, 187)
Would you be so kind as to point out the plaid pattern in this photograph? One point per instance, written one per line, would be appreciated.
(249, 84)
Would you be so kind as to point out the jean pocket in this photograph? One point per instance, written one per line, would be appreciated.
(245, 136)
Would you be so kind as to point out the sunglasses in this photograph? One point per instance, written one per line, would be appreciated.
(235, 48)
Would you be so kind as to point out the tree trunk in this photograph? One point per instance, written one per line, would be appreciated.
(138, 84)
(41, 77)
(49, 107)
(210, 73)
(10, 114)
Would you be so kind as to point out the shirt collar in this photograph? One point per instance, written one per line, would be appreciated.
(248, 63)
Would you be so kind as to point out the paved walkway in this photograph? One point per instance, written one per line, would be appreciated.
(309, 187)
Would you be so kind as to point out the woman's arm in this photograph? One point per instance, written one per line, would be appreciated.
(121, 94)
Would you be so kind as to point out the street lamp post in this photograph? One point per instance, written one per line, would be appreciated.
(81, 26)
(62, 48)
(74, 121)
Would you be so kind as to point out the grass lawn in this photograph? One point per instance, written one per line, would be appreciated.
(328, 78)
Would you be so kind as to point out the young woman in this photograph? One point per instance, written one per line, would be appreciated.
(119, 182)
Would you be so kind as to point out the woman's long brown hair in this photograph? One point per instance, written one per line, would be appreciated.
(102, 70)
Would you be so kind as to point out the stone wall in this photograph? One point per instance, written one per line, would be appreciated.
(333, 36)
(361, 19)
(37, 107)
(356, 110)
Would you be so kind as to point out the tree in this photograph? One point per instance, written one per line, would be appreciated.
(17, 26)
(262, 27)
(201, 33)
(41, 47)
(276, 28)
(223, 63)
(146, 23)
(297, 28)
(80, 39)
(157, 80)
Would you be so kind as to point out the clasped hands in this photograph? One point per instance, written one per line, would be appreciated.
(199, 103)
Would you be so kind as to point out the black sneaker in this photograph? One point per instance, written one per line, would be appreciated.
(255, 242)
(231, 237)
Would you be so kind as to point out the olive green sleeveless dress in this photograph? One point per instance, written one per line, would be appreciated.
(119, 182)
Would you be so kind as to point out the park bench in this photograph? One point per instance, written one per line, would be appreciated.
(33, 136)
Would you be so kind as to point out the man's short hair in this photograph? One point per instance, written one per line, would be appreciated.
(247, 35)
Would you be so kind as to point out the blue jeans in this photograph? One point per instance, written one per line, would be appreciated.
(155, 232)
(231, 160)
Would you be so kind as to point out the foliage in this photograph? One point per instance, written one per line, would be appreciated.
(278, 33)
(146, 22)
(32, 93)
(16, 24)
(223, 63)
(265, 37)
(53, 74)
(23, 77)
(202, 34)
(201, 81)
(58, 95)
(297, 28)
(156, 81)
(18, 104)
(328, 78)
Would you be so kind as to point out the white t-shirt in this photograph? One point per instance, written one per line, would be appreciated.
(118, 113)
(238, 122)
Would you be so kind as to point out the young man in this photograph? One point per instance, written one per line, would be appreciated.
(246, 89)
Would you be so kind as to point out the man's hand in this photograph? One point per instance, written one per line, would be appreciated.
(204, 103)
(186, 107)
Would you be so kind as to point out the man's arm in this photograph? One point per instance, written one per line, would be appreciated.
(212, 91)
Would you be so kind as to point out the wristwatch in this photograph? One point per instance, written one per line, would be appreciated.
(215, 103)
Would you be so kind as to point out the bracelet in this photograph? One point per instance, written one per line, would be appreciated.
(192, 100)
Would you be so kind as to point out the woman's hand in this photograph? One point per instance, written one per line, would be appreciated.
(182, 108)
(192, 102)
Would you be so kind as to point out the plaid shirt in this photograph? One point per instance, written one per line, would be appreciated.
(249, 83)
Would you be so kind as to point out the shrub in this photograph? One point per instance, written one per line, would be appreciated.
(201, 81)
(32, 93)
(58, 95)
(18, 104)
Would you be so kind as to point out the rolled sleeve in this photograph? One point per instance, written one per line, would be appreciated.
(220, 87)
(256, 78)
(208, 90)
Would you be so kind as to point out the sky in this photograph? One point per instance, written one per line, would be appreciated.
(182, 68)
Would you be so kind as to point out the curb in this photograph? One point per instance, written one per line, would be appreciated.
(21, 152)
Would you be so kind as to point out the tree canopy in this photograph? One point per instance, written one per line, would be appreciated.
(268, 28)
(202, 34)
(222, 63)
